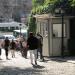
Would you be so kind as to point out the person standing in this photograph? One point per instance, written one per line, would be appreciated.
(24, 52)
(40, 44)
(32, 44)
(20, 43)
(0, 52)
(13, 46)
(6, 46)
(1, 45)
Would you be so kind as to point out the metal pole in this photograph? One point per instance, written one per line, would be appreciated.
(62, 38)
(20, 29)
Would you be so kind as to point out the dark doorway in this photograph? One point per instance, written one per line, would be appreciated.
(72, 28)
(71, 40)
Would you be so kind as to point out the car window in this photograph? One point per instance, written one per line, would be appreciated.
(2, 37)
(11, 37)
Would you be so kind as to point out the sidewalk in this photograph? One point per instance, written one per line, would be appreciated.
(69, 59)
(22, 66)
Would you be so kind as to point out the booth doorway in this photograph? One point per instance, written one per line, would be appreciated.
(71, 41)
(72, 28)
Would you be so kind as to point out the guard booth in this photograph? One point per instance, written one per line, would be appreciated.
(50, 27)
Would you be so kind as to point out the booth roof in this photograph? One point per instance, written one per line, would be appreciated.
(47, 16)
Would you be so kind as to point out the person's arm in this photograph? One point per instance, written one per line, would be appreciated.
(9, 43)
(2, 44)
(28, 42)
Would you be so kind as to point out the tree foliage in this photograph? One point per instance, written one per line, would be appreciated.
(47, 6)
(32, 24)
(42, 6)
(72, 3)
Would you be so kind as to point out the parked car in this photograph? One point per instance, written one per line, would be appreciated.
(2, 37)
(10, 37)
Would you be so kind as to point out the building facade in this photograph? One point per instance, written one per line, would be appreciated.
(17, 10)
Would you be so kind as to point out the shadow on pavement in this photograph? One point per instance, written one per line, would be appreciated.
(56, 59)
(61, 59)
(38, 66)
(20, 71)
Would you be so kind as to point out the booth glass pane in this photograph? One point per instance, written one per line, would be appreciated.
(57, 30)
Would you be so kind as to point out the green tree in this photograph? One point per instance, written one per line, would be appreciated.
(32, 24)
(43, 6)
(72, 3)
(37, 2)
(49, 6)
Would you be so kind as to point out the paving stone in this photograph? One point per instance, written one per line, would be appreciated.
(22, 66)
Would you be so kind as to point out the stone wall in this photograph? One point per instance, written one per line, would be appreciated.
(9, 8)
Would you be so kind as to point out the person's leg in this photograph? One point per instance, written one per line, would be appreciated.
(0, 53)
(6, 51)
(22, 52)
(13, 53)
(41, 53)
(25, 51)
(35, 56)
(31, 56)
(37, 53)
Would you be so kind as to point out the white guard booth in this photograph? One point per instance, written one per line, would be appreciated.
(50, 27)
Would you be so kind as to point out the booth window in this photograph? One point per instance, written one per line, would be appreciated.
(45, 29)
(57, 30)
